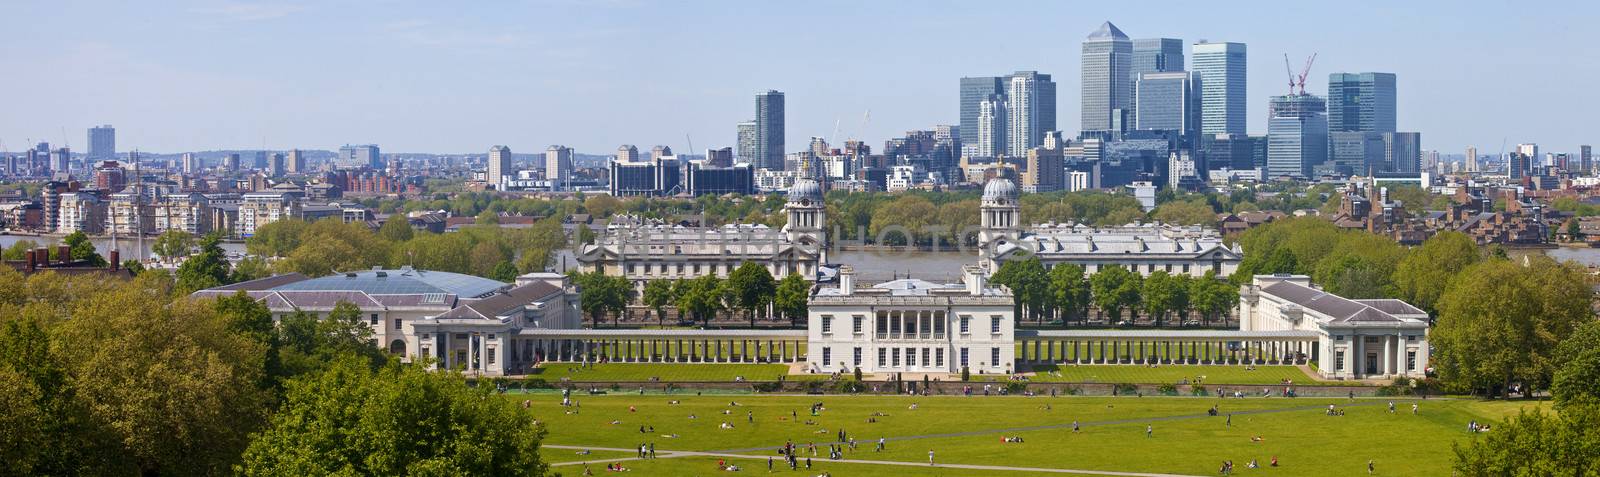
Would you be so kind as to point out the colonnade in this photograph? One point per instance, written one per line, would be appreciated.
(665, 350)
(1047, 350)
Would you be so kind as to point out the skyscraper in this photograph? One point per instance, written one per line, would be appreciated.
(1585, 159)
(275, 165)
(1107, 84)
(260, 162)
(1356, 152)
(1362, 102)
(627, 153)
(499, 166)
(1030, 109)
(1166, 101)
(1152, 55)
(974, 91)
(102, 143)
(1220, 67)
(1403, 151)
(558, 166)
(769, 130)
(365, 155)
(991, 125)
(190, 164)
(747, 142)
(1297, 135)
(1472, 159)
(296, 162)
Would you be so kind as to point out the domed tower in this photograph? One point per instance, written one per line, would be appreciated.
(808, 222)
(1001, 219)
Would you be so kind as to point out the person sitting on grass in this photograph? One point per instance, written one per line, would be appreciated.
(725, 425)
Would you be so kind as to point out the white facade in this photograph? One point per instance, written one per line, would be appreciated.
(911, 326)
(261, 208)
(81, 212)
(1357, 339)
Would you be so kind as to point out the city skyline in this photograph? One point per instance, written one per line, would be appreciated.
(258, 81)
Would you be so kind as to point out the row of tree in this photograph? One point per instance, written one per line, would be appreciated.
(1065, 292)
(749, 290)
(103, 376)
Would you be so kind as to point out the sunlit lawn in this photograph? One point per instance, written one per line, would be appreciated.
(1163, 374)
(1306, 441)
(666, 372)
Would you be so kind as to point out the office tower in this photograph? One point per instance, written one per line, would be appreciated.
(1472, 159)
(275, 165)
(627, 153)
(499, 167)
(230, 163)
(719, 157)
(947, 151)
(658, 152)
(365, 155)
(746, 145)
(61, 160)
(1030, 110)
(1518, 165)
(769, 130)
(1361, 102)
(1232, 151)
(1166, 102)
(974, 91)
(1152, 55)
(991, 124)
(1356, 152)
(102, 143)
(189, 163)
(558, 167)
(1297, 135)
(1585, 160)
(1402, 151)
(296, 162)
(1107, 84)
(260, 162)
(1529, 149)
(1220, 69)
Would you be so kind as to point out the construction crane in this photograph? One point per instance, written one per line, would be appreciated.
(1300, 79)
(1290, 71)
(1306, 71)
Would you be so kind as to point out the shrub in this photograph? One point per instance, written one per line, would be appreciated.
(1016, 387)
(966, 374)
(1126, 388)
(1167, 389)
(1198, 391)
(767, 387)
(858, 373)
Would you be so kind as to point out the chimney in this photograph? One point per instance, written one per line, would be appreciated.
(64, 252)
(115, 259)
(972, 275)
(847, 280)
(28, 257)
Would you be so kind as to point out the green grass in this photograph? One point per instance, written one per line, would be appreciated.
(1194, 374)
(1306, 441)
(667, 372)
(1132, 351)
(707, 466)
(552, 456)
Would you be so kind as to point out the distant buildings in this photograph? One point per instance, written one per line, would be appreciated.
(1004, 115)
(365, 155)
(769, 130)
(702, 179)
(1030, 109)
(296, 162)
(1107, 85)
(102, 143)
(1403, 151)
(975, 91)
(1362, 102)
(558, 167)
(275, 165)
(499, 167)
(1153, 55)
(747, 149)
(1220, 69)
(1167, 102)
(1297, 135)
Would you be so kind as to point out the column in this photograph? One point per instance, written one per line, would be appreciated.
(1387, 359)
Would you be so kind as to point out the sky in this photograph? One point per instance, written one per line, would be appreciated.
(454, 77)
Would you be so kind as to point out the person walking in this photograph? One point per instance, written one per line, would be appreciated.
(1230, 420)
(880, 445)
(930, 456)
(1369, 467)
(1148, 430)
(1413, 409)
(1074, 426)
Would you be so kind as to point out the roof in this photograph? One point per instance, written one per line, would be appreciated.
(1339, 309)
(265, 283)
(501, 303)
(1107, 31)
(397, 282)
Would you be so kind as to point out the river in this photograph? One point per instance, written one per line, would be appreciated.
(126, 248)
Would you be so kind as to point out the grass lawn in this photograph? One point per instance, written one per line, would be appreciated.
(1185, 440)
(1174, 373)
(554, 456)
(691, 466)
(667, 372)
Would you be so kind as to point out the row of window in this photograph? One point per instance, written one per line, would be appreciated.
(894, 324)
(893, 357)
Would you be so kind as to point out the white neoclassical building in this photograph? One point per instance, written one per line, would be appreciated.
(1356, 339)
(475, 324)
(911, 326)
(1140, 247)
(642, 250)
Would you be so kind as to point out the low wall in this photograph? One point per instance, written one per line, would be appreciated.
(957, 388)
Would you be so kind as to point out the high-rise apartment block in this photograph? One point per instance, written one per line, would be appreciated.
(1031, 110)
(1107, 83)
(102, 143)
(558, 167)
(1220, 69)
(295, 162)
(769, 130)
(974, 92)
(498, 168)
(746, 145)
(1005, 115)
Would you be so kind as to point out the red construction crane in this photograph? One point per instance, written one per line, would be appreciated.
(1306, 71)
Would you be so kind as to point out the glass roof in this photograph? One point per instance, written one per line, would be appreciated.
(400, 282)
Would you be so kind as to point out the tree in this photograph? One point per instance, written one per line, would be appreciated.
(1163, 293)
(1212, 297)
(173, 243)
(1029, 284)
(276, 239)
(396, 229)
(899, 222)
(81, 249)
(1577, 362)
(1116, 288)
(1069, 288)
(504, 271)
(1500, 323)
(206, 269)
(19, 249)
(400, 420)
(657, 295)
(585, 235)
(250, 268)
(1186, 212)
(600, 294)
(330, 245)
(1423, 275)
(752, 288)
(1535, 442)
(700, 297)
(790, 300)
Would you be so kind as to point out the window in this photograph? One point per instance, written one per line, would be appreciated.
(965, 324)
(397, 323)
(827, 356)
(374, 319)
(883, 357)
(857, 358)
(894, 357)
(1338, 337)
(1185, 269)
(938, 324)
(925, 356)
(827, 324)
(1411, 361)
(1411, 338)
(633, 268)
(994, 356)
(963, 357)
(1169, 268)
(994, 324)
(911, 356)
(911, 324)
(938, 357)
(491, 355)
(424, 351)
(883, 323)
(856, 323)
(1338, 361)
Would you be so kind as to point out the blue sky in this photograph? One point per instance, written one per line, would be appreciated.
(428, 76)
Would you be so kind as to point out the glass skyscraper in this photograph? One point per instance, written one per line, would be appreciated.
(1107, 83)
(102, 143)
(1166, 102)
(1363, 102)
(974, 91)
(1030, 110)
(1153, 55)
(1220, 69)
(769, 130)
(1297, 135)
(1006, 115)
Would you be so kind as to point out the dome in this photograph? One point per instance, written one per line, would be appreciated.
(999, 188)
(805, 188)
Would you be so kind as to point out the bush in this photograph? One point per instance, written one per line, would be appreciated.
(849, 387)
(1072, 391)
(966, 374)
(1198, 391)
(1126, 388)
(767, 387)
(858, 373)
(1167, 389)
(1016, 387)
